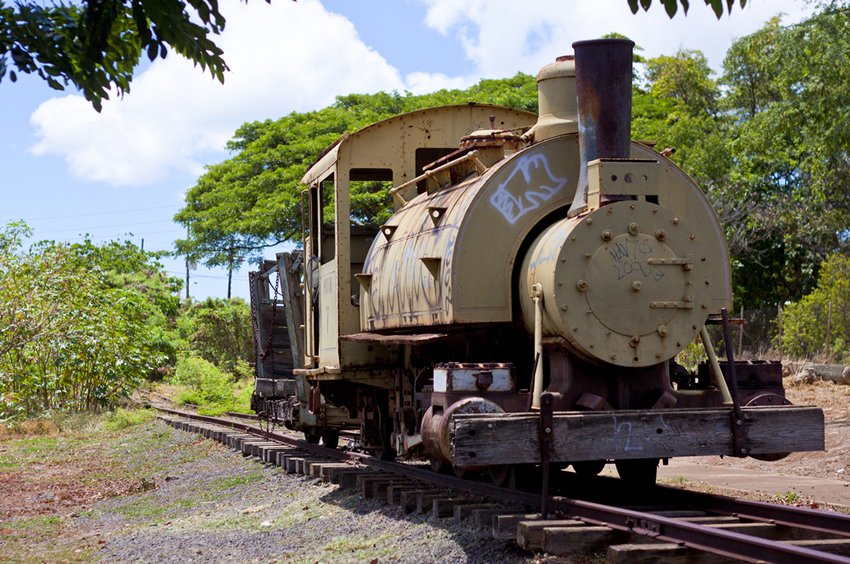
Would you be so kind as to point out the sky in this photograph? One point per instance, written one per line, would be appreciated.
(70, 172)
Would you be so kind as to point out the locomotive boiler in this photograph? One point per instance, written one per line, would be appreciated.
(526, 299)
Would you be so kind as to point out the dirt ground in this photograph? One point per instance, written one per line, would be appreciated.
(834, 462)
(86, 493)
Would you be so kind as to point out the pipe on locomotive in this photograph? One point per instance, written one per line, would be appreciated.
(603, 70)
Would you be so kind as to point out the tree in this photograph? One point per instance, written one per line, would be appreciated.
(672, 6)
(790, 152)
(96, 44)
(252, 200)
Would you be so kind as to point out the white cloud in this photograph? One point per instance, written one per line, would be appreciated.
(501, 37)
(297, 56)
(283, 57)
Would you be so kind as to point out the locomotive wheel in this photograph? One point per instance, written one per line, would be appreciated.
(502, 475)
(330, 437)
(588, 468)
(385, 454)
(640, 472)
(440, 466)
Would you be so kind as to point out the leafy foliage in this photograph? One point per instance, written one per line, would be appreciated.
(219, 331)
(672, 6)
(252, 200)
(96, 44)
(73, 338)
(822, 317)
(209, 387)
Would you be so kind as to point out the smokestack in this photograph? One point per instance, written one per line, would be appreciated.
(603, 70)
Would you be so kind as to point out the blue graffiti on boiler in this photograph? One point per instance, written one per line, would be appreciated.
(519, 194)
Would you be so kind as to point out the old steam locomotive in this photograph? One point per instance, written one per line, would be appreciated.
(524, 302)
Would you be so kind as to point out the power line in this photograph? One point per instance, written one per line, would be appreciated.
(102, 226)
(99, 213)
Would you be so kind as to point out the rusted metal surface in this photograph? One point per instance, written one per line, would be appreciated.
(604, 274)
(416, 339)
(603, 70)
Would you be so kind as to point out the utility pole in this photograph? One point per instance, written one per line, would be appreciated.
(187, 266)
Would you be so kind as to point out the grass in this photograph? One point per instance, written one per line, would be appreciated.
(125, 418)
(788, 497)
(358, 548)
(220, 484)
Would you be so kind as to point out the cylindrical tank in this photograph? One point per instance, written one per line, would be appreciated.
(556, 100)
(621, 284)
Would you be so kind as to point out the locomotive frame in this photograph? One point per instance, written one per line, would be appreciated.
(438, 332)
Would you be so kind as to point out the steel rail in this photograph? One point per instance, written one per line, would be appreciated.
(814, 519)
(666, 529)
(701, 537)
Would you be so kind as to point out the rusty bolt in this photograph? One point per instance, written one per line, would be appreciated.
(692, 236)
(662, 330)
(581, 285)
(589, 220)
(675, 221)
(661, 235)
(564, 307)
(606, 235)
(636, 285)
(634, 341)
(687, 266)
(632, 206)
(633, 229)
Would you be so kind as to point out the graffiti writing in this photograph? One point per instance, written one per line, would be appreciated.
(523, 191)
(629, 257)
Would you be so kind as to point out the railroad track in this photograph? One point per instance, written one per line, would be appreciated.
(665, 523)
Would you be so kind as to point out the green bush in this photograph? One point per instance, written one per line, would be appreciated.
(219, 331)
(74, 338)
(827, 308)
(207, 386)
(123, 418)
